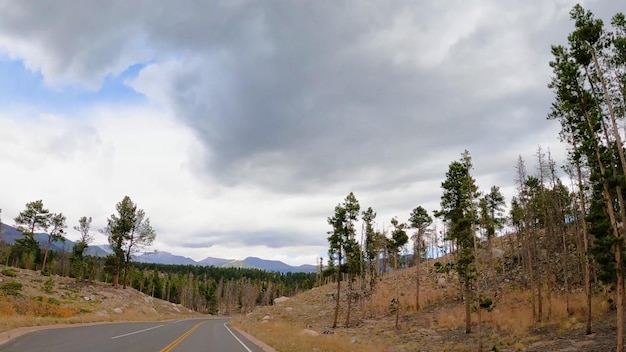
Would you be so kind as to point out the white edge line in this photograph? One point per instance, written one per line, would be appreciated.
(236, 338)
(135, 332)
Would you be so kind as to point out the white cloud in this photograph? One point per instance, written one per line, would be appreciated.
(261, 116)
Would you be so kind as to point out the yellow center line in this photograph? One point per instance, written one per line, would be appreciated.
(175, 343)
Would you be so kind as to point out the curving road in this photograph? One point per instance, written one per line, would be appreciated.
(191, 335)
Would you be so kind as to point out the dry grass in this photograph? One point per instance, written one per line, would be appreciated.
(382, 297)
(514, 314)
(64, 302)
(286, 337)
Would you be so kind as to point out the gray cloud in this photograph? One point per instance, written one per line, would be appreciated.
(299, 97)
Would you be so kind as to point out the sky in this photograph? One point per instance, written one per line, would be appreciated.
(239, 125)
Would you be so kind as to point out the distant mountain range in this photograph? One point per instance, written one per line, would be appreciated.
(159, 257)
(9, 234)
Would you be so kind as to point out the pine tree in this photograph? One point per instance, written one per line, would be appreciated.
(419, 220)
(459, 190)
(343, 245)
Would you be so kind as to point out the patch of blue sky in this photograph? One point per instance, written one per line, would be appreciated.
(23, 88)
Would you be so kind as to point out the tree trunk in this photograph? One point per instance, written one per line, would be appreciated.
(116, 275)
(478, 293)
(45, 255)
(397, 293)
(336, 315)
(418, 259)
(587, 278)
(350, 278)
(126, 268)
(565, 272)
(468, 310)
(619, 297)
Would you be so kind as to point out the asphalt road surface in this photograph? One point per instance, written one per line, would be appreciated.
(189, 335)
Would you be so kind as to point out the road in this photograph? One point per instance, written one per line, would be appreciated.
(202, 335)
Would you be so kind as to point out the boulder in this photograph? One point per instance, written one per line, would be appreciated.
(308, 332)
(280, 299)
(118, 310)
(442, 282)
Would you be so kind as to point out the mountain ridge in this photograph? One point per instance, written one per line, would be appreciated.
(9, 234)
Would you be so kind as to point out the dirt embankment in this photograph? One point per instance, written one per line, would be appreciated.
(29, 299)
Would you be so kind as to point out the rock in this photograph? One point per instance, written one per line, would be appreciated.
(442, 282)
(353, 339)
(86, 298)
(289, 309)
(308, 332)
(497, 253)
(148, 310)
(118, 310)
(176, 309)
(267, 317)
(102, 313)
(280, 299)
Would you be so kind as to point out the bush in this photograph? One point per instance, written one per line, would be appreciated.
(11, 288)
(443, 269)
(48, 285)
(48, 300)
(53, 301)
(9, 272)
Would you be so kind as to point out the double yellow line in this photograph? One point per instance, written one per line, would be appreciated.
(175, 343)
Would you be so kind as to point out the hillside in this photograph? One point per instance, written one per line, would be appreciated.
(303, 322)
(28, 298)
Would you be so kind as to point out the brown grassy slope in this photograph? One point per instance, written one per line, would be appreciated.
(50, 300)
(439, 326)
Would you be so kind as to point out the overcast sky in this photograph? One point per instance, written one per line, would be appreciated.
(239, 125)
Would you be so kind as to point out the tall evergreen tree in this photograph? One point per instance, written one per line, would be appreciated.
(78, 251)
(35, 217)
(492, 214)
(588, 83)
(127, 231)
(419, 220)
(342, 244)
(459, 191)
(55, 233)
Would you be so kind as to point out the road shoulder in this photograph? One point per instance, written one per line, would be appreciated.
(262, 345)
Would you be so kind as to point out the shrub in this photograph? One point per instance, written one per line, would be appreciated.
(11, 288)
(9, 272)
(53, 301)
(48, 285)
